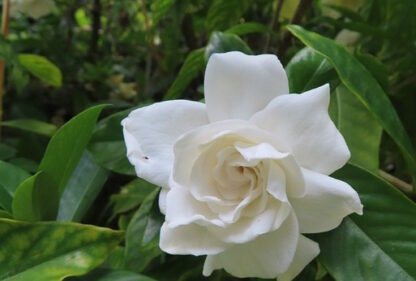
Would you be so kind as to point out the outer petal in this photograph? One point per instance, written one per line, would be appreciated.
(239, 85)
(302, 125)
(248, 229)
(306, 251)
(191, 239)
(151, 131)
(326, 203)
(265, 257)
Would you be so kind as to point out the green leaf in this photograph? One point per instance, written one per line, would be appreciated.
(194, 63)
(109, 128)
(222, 14)
(5, 199)
(224, 42)
(360, 129)
(42, 68)
(113, 275)
(18, 76)
(115, 158)
(377, 69)
(52, 251)
(23, 205)
(7, 151)
(11, 177)
(108, 136)
(246, 28)
(32, 125)
(82, 189)
(307, 70)
(58, 164)
(362, 84)
(381, 244)
(130, 196)
(142, 236)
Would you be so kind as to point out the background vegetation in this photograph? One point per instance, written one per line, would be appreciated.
(132, 53)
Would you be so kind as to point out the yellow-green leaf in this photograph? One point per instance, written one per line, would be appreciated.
(51, 251)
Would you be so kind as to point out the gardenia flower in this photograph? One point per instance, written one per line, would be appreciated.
(32, 8)
(246, 174)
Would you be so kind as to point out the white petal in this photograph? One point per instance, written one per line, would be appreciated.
(263, 151)
(191, 239)
(306, 251)
(183, 209)
(250, 228)
(162, 200)
(302, 125)
(326, 202)
(150, 132)
(188, 148)
(265, 257)
(239, 85)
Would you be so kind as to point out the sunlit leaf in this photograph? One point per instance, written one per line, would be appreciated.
(42, 68)
(51, 251)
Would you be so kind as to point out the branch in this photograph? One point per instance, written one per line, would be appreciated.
(96, 26)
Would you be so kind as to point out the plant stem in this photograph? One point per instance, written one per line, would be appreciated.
(402, 185)
(272, 23)
(302, 8)
(4, 32)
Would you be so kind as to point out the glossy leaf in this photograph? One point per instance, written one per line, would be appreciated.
(51, 251)
(362, 84)
(377, 69)
(42, 68)
(131, 196)
(32, 125)
(381, 244)
(246, 28)
(142, 236)
(11, 176)
(23, 205)
(58, 164)
(194, 63)
(108, 136)
(220, 42)
(307, 70)
(82, 189)
(360, 129)
(115, 157)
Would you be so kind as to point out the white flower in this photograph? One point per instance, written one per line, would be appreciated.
(32, 8)
(245, 174)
